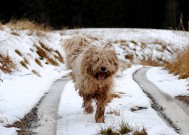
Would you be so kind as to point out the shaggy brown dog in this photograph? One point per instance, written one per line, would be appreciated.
(93, 69)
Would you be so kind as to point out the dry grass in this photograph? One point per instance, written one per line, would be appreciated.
(15, 33)
(112, 96)
(36, 73)
(24, 64)
(150, 62)
(26, 61)
(44, 47)
(18, 52)
(142, 132)
(59, 56)
(108, 131)
(25, 24)
(129, 57)
(124, 130)
(6, 64)
(184, 99)
(114, 111)
(42, 53)
(180, 66)
(38, 62)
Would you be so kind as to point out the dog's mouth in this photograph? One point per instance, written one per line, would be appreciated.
(101, 75)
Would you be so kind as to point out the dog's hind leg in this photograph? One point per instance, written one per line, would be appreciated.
(87, 104)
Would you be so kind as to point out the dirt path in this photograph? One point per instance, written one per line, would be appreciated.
(48, 109)
(174, 112)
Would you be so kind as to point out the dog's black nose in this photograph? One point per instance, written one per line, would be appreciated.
(103, 68)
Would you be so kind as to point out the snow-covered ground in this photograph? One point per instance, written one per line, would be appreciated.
(21, 90)
(74, 121)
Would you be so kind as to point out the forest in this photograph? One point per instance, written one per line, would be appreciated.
(160, 14)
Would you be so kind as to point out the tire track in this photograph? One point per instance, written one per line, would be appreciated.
(169, 109)
(48, 109)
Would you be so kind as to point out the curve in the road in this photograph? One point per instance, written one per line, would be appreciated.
(48, 109)
(170, 109)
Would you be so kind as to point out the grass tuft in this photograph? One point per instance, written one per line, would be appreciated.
(36, 73)
(6, 64)
(42, 53)
(150, 62)
(59, 56)
(108, 131)
(134, 42)
(180, 66)
(124, 128)
(114, 111)
(142, 132)
(38, 62)
(44, 47)
(18, 52)
(25, 24)
(129, 57)
(112, 96)
(24, 64)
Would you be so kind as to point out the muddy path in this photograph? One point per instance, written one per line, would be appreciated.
(171, 110)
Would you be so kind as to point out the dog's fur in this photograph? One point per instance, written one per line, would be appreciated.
(93, 68)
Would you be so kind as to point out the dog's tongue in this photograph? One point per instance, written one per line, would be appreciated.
(101, 75)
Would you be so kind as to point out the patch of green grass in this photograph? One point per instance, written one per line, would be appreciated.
(142, 132)
(108, 131)
(124, 128)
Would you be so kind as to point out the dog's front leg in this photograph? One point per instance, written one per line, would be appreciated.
(87, 104)
(99, 116)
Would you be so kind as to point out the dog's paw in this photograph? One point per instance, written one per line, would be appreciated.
(100, 120)
(89, 110)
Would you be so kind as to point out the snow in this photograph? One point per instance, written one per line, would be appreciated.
(168, 83)
(74, 121)
(21, 90)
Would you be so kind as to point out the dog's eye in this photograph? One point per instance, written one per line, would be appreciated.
(116, 64)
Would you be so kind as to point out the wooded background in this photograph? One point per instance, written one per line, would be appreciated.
(161, 14)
